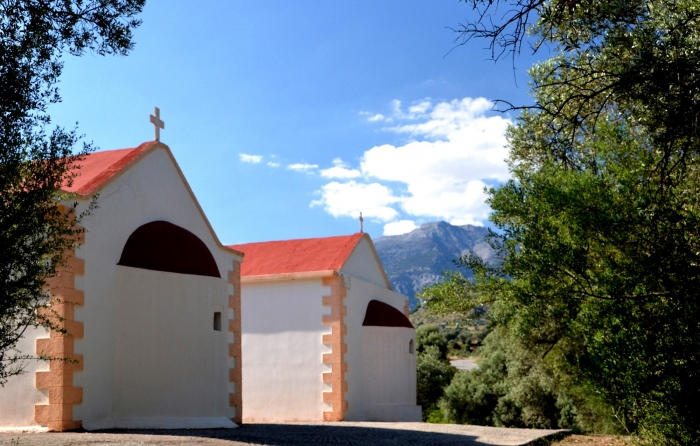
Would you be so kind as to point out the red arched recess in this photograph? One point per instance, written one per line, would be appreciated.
(162, 246)
(380, 314)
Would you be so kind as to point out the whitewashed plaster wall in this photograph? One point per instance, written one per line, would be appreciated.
(363, 264)
(358, 297)
(283, 350)
(19, 395)
(150, 190)
(169, 360)
(389, 368)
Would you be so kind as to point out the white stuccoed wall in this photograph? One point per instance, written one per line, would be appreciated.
(363, 273)
(389, 374)
(169, 360)
(363, 264)
(149, 191)
(19, 395)
(358, 297)
(283, 350)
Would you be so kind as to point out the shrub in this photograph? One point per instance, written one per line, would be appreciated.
(434, 373)
(515, 388)
(430, 335)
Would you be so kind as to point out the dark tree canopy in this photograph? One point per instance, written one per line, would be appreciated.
(34, 159)
(598, 230)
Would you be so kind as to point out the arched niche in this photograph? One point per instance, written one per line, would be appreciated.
(163, 246)
(380, 314)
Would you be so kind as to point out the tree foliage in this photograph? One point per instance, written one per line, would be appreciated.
(449, 295)
(598, 230)
(36, 160)
(513, 387)
(434, 371)
(430, 335)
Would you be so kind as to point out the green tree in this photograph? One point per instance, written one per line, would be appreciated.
(36, 160)
(449, 295)
(598, 230)
(434, 373)
(513, 387)
(430, 335)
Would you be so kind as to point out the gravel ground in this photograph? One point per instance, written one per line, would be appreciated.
(346, 433)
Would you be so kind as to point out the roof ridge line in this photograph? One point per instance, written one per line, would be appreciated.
(293, 240)
(104, 176)
(347, 256)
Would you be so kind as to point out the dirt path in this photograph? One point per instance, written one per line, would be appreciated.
(464, 364)
(346, 433)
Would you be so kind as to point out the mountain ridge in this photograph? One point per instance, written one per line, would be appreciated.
(418, 258)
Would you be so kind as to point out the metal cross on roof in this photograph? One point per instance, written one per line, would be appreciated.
(157, 123)
(361, 220)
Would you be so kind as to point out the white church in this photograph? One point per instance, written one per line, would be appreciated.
(324, 335)
(169, 328)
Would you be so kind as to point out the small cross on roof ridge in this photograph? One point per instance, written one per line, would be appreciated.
(157, 122)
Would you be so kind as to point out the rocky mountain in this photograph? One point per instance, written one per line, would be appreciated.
(418, 258)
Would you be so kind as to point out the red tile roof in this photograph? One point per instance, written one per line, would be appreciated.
(98, 167)
(296, 256)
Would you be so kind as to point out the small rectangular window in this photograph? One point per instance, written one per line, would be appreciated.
(217, 321)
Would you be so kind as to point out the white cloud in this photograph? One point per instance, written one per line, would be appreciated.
(415, 111)
(340, 173)
(445, 177)
(454, 150)
(271, 164)
(376, 117)
(340, 170)
(420, 108)
(399, 227)
(396, 108)
(253, 159)
(302, 167)
(374, 200)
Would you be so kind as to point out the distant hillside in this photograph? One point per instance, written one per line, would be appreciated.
(416, 259)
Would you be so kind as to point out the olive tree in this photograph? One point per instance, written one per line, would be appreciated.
(35, 159)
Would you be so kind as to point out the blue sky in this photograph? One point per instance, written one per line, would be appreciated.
(289, 118)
